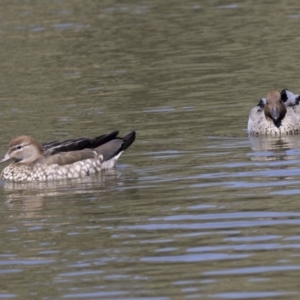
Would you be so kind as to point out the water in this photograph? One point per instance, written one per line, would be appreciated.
(195, 209)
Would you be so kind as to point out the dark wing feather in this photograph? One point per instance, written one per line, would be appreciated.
(78, 144)
(114, 147)
(102, 139)
(57, 145)
(49, 145)
(283, 95)
(128, 139)
(71, 151)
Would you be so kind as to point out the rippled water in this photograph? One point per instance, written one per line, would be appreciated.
(195, 209)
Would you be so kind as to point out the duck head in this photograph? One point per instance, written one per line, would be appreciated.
(23, 149)
(274, 107)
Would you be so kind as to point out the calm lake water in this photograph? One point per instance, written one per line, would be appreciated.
(195, 209)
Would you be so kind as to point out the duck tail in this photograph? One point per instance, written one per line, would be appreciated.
(128, 139)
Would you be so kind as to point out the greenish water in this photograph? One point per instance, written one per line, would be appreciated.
(194, 208)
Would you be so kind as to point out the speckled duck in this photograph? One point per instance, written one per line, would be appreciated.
(277, 114)
(68, 159)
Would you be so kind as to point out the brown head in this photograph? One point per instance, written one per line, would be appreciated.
(274, 108)
(23, 149)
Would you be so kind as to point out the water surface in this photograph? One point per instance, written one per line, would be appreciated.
(194, 209)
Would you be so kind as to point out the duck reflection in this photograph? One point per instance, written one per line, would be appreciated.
(277, 147)
(30, 197)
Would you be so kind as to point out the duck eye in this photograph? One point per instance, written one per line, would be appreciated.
(18, 147)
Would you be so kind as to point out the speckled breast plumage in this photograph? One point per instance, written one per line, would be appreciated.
(41, 172)
(259, 125)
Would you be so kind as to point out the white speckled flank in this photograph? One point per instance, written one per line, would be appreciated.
(40, 172)
(276, 115)
(59, 160)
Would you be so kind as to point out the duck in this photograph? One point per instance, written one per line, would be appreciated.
(73, 158)
(276, 115)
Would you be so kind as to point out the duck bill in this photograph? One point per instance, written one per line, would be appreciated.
(275, 114)
(6, 157)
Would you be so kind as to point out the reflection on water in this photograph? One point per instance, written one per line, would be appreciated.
(272, 149)
(195, 209)
(280, 143)
(30, 197)
(58, 187)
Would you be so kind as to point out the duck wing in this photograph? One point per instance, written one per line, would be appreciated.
(115, 147)
(289, 98)
(77, 144)
(67, 158)
(71, 151)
